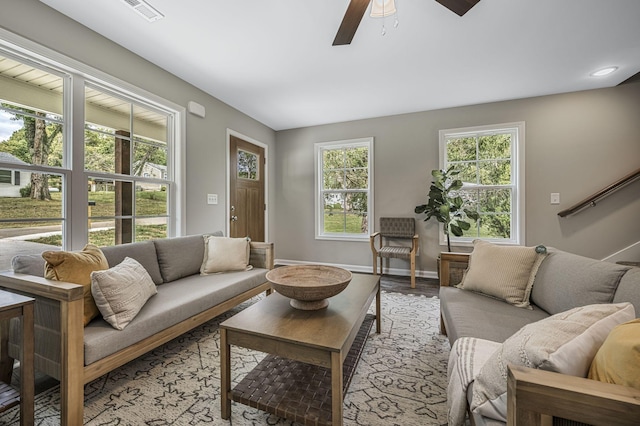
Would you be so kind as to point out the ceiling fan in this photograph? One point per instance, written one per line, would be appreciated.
(355, 12)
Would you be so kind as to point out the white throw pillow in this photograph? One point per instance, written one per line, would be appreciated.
(120, 292)
(565, 343)
(223, 254)
(503, 272)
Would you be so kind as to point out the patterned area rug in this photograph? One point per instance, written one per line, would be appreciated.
(400, 379)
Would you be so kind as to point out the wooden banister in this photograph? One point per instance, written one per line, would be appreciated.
(603, 193)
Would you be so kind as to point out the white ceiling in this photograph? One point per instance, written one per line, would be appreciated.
(273, 60)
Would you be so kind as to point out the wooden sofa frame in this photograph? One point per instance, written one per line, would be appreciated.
(535, 397)
(74, 374)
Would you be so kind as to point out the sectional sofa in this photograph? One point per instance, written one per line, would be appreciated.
(76, 354)
(562, 281)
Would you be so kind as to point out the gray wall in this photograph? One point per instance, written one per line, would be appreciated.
(576, 144)
(206, 138)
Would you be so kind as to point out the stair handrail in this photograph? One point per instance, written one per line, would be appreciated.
(603, 193)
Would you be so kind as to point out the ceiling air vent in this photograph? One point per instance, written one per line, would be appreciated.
(147, 11)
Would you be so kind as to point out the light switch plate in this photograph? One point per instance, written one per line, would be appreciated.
(555, 198)
(212, 198)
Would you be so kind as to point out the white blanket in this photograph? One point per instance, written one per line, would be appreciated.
(467, 356)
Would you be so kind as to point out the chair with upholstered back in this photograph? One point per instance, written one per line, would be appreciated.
(391, 230)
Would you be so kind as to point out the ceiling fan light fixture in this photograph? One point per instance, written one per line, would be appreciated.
(604, 71)
(382, 8)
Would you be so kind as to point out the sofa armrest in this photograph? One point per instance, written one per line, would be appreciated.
(38, 286)
(446, 259)
(261, 255)
(534, 397)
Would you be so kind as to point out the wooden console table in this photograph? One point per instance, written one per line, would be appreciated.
(13, 306)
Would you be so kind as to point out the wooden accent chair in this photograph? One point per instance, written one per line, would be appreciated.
(395, 228)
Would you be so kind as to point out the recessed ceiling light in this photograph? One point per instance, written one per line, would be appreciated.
(603, 72)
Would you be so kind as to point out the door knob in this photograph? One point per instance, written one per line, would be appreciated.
(234, 218)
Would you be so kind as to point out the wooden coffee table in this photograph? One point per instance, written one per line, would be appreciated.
(321, 337)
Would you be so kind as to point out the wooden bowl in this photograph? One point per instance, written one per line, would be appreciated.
(309, 286)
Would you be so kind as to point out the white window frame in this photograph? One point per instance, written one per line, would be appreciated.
(319, 192)
(517, 184)
(72, 170)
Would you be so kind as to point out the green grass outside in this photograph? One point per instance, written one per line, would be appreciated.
(148, 203)
(335, 223)
(107, 237)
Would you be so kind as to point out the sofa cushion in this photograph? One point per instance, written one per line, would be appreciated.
(176, 301)
(76, 267)
(180, 256)
(223, 254)
(467, 314)
(565, 281)
(618, 359)
(565, 343)
(121, 291)
(31, 264)
(504, 272)
(144, 252)
(629, 289)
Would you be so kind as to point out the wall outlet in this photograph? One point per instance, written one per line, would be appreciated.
(212, 198)
(555, 198)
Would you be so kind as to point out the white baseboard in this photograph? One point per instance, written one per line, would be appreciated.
(363, 269)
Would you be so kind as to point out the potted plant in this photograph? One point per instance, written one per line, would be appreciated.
(446, 204)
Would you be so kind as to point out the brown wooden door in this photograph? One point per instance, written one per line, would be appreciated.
(247, 204)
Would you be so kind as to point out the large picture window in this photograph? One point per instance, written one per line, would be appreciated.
(344, 194)
(491, 164)
(122, 177)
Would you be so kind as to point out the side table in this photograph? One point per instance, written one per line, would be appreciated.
(13, 306)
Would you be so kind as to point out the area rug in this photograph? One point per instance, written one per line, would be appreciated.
(400, 379)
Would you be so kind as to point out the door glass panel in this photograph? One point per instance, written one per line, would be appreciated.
(248, 165)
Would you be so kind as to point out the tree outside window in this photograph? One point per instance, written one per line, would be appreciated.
(344, 203)
(489, 161)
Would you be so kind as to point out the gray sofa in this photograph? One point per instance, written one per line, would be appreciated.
(185, 299)
(563, 281)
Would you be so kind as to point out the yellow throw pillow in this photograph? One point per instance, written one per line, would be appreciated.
(503, 272)
(76, 267)
(618, 359)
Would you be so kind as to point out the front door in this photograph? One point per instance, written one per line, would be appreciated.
(246, 192)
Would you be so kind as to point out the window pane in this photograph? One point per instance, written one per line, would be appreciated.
(356, 213)
(27, 218)
(102, 233)
(333, 179)
(495, 172)
(495, 226)
(6, 177)
(356, 157)
(30, 136)
(461, 149)
(468, 172)
(149, 124)
(334, 212)
(149, 159)
(248, 164)
(495, 201)
(106, 112)
(149, 229)
(494, 146)
(332, 159)
(99, 150)
(151, 199)
(357, 179)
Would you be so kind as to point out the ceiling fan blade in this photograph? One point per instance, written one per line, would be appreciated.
(350, 22)
(459, 7)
